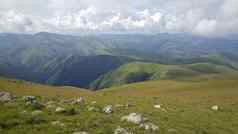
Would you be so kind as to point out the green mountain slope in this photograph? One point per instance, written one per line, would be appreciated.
(139, 71)
(185, 108)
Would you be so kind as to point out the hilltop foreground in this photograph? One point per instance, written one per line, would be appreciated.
(171, 107)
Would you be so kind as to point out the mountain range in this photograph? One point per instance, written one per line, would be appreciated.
(105, 60)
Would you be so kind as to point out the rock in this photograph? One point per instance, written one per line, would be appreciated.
(51, 103)
(215, 108)
(36, 113)
(60, 110)
(93, 102)
(81, 132)
(172, 131)
(120, 130)
(78, 101)
(119, 106)
(149, 126)
(5, 97)
(93, 109)
(108, 109)
(157, 106)
(49, 107)
(134, 118)
(29, 98)
(57, 123)
(35, 104)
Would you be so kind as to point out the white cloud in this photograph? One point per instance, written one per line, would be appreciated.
(208, 17)
(206, 27)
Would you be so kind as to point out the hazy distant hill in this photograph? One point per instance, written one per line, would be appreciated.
(79, 60)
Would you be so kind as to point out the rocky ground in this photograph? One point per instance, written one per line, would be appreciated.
(134, 109)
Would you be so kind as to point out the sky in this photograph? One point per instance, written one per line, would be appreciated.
(201, 17)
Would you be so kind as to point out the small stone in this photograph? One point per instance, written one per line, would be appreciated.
(119, 106)
(80, 133)
(78, 101)
(57, 123)
(60, 110)
(149, 126)
(28, 98)
(36, 113)
(108, 109)
(50, 103)
(93, 102)
(172, 131)
(49, 107)
(134, 118)
(157, 106)
(93, 109)
(120, 130)
(5, 97)
(215, 108)
(35, 104)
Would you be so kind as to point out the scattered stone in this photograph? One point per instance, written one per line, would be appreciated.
(119, 106)
(51, 103)
(36, 113)
(78, 101)
(93, 102)
(120, 130)
(29, 98)
(49, 107)
(108, 109)
(5, 97)
(57, 123)
(60, 110)
(134, 118)
(80, 133)
(172, 131)
(74, 101)
(149, 126)
(215, 108)
(35, 104)
(157, 106)
(93, 109)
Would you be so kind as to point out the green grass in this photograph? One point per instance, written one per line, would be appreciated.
(187, 107)
(139, 71)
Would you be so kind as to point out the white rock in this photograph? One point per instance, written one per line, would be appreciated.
(157, 106)
(78, 101)
(36, 113)
(215, 108)
(60, 110)
(5, 97)
(172, 131)
(29, 98)
(93, 102)
(108, 109)
(120, 130)
(134, 118)
(149, 126)
(119, 106)
(93, 109)
(80, 133)
(57, 123)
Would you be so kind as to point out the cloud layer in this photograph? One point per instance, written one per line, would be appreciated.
(204, 17)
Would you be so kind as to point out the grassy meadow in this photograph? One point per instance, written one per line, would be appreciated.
(185, 108)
